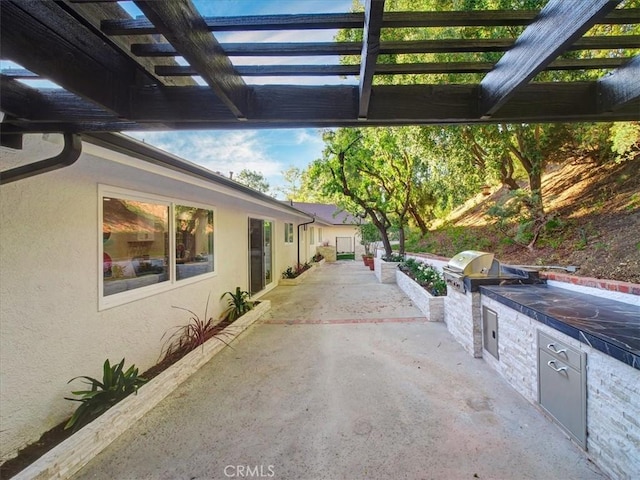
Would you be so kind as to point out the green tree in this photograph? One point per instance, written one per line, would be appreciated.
(253, 179)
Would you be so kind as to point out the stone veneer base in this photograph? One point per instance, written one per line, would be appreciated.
(432, 307)
(71, 455)
(385, 271)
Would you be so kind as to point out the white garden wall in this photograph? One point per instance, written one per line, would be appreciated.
(52, 328)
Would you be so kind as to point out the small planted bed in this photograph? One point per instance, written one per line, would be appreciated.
(111, 404)
(296, 274)
(425, 286)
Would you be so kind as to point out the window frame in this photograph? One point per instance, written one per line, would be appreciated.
(312, 236)
(172, 235)
(288, 233)
(109, 301)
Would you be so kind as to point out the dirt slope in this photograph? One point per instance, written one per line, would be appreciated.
(598, 208)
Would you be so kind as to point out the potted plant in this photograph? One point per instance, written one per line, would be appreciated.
(368, 235)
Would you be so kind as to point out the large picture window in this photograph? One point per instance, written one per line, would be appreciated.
(135, 244)
(194, 241)
(150, 242)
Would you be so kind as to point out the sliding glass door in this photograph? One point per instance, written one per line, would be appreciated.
(260, 254)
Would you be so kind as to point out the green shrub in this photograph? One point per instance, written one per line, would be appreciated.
(237, 304)
(425, 275)
(116, 384)
(299, 269)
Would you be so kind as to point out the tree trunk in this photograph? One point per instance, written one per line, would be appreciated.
(383, 228)
(419, 221)
(401, 237)
(506, 173)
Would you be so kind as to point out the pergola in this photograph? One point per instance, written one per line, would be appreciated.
(118, 73)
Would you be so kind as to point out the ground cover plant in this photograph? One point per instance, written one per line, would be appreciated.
(296, 270)
(425, 275)
(118, 383)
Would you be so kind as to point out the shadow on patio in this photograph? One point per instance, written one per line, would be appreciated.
(343, 379)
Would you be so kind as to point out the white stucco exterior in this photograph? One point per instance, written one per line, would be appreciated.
(52, 326)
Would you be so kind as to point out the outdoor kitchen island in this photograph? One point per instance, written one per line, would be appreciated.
(575, 355)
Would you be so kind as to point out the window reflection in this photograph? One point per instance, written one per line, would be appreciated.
(135, 244)
(194, 241)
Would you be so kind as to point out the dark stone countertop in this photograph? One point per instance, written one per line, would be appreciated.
(607, 325)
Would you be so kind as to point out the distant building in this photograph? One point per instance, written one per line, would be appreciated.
(333, 226)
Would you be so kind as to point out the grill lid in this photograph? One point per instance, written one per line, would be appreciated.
(474, 263)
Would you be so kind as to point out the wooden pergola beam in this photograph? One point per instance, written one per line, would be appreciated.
(95, 12)
(50, 105)
(475, 18)
(559, 24)
(381, 69)
(183, 26)
(47, 40)
(370, 49)
(621, 87)
(304, 106)
(304, 49)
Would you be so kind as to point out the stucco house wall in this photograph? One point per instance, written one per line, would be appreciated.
(333, 222)
(53, 327)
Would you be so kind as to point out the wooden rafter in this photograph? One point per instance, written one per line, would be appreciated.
(305, 49)
(119, 73)
(370, 49)
(22, 101)
(478, 18)
(621, 87)
(182, 25)
(381, 69)
(559, 24)
(47, 40)
(95, 13)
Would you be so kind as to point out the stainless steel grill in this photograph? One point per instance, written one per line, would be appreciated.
(467, 270)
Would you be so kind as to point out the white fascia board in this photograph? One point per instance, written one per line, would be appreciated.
(130, 161)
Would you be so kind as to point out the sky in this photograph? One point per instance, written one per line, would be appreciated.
(266, 151)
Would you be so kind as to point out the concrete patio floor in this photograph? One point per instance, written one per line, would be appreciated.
(343, 380)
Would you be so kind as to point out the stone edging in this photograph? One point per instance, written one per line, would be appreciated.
(603, 284)
(385, 271)
(298, 280)
(600, 283)
(70, 456)
(432, 307)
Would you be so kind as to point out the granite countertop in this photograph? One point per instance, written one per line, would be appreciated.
(609, 326)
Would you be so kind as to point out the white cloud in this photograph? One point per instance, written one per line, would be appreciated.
(306, 136)
(217, 150)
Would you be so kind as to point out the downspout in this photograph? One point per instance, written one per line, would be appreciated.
(305, 227)
(68, 156)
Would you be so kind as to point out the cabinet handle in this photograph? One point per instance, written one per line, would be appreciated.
(552, 347)
(552, 365)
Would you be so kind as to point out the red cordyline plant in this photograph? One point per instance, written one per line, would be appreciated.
(190, 336)
(293, 272)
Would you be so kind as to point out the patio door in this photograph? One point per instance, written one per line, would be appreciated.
(260, 254)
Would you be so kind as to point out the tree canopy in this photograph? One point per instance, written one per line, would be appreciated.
(253, 179)
(409, 175)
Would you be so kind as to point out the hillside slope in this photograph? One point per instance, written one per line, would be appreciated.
(596, 226)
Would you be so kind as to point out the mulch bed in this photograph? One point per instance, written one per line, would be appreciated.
(58, 434)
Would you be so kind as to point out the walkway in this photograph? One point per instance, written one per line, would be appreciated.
(343, 381)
